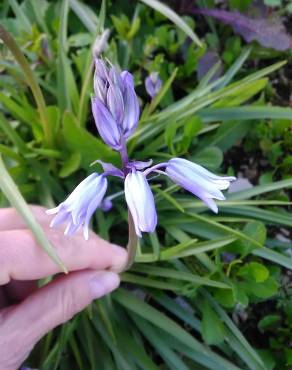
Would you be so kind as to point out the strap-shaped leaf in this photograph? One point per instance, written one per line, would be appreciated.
(10, 190)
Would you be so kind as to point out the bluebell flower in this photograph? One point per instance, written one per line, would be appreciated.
(199, 181)
(116, 112)
(153, 84)
(80, 205)
(115, 104)
(140, 201)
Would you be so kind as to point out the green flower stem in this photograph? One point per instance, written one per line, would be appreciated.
(31, 81)
(132, 243)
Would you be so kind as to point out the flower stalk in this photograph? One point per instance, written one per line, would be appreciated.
(132, 242)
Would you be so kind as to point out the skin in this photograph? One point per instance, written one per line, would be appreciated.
(27, 313)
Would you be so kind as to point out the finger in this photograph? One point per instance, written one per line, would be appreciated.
(17, 291)
(21, 258)
(11, 220)
(23, 325)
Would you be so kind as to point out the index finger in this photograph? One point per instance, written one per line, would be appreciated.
(21, 258)
(11, 220)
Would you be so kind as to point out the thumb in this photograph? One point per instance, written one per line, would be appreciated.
(23, 325)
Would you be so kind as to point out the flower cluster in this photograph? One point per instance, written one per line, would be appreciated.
(115, 109)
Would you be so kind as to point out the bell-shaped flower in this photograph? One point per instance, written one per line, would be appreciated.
(140, 201)
(153, 84)
(115, 105)
(80, 205)
(199, 181)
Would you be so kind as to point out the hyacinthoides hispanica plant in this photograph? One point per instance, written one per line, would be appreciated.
(116, 111)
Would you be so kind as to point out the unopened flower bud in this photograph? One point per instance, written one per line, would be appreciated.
(115, 105)
(153, 84)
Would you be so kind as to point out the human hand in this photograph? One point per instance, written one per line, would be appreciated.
(28, 313)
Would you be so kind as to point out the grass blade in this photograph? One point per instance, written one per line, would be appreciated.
(12, 193)
(31, 81)
(170, 14)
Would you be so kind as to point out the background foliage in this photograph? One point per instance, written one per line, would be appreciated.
(207, 291)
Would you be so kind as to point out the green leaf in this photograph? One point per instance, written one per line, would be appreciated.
(244, 113)
(79, 140)
(269, 322)
(227, 134)
(12, 193)
(225, 298)
(288, 355)
(31, 81)
(192, 247)
(213, 330)
(70, 165)
(263, 290)
(62, 62)
(54, 117)
(169, 13)
(256, 231)
(255, 271)
(163, 322)
(274, 256)
(160, 344)
(237, 99)
(210, 157)
(178, 275)
(85, 14)
(261, 189)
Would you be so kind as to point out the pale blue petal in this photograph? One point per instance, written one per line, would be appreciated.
(140, 201)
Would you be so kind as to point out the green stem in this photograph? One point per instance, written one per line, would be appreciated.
(132, 243)
(83, 96)
(31, 81)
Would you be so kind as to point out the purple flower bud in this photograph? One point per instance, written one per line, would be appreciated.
(106, 125)
(101, 70)
(80, 205)
(106, 204)
(199, 181)
(131, 109)
(100, 89)
(115, 106)
(153, 84)
(115, 103)
(140, 201)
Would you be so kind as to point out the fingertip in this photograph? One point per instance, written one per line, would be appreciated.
(103, 283)
(120, 258)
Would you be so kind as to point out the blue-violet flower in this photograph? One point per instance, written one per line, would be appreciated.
(153, 84)
(80, 205)
(199, 181)
(140, 201)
